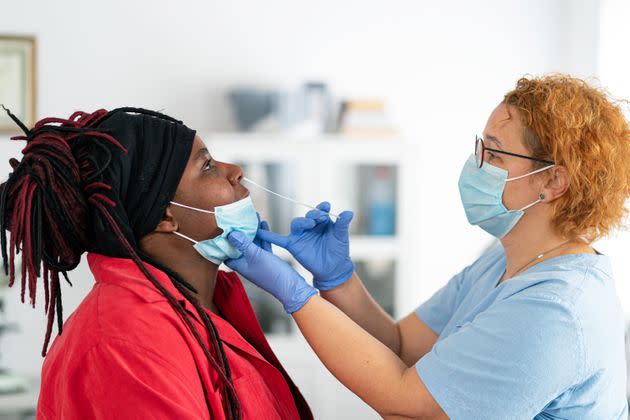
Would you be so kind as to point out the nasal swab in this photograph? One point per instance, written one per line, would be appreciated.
(285, 197)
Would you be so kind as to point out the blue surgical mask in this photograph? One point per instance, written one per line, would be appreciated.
(481, 191)
(240, 215)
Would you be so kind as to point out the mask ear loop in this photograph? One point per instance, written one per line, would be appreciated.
(541, 198)
(531, 173)
(190, 208)
(185, 237)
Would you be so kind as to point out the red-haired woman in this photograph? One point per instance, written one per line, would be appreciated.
(534, 327)
(163, 334)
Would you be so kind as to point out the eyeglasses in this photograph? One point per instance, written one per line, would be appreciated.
(480, 150)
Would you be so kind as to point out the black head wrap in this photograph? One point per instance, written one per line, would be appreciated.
(143, 180)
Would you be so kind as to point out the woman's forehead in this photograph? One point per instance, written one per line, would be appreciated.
(198, 150)
(504, 129)
(197, 144)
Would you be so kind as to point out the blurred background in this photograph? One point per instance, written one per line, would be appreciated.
(372, 105)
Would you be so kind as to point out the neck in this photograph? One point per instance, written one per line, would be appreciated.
(533, 235)
(178, 255)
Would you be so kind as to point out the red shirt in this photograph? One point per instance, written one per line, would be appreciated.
(126, 354)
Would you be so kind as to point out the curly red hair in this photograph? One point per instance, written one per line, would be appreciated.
(581, 128)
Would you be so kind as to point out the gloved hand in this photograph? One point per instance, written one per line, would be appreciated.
(319, 244)
(270, 272)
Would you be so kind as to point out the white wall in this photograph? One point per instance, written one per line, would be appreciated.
(442, 65)
(614, 72)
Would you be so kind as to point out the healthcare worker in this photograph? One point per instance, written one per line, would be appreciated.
(531, 329)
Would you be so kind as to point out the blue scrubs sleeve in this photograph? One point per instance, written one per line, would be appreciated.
(438, 310)
(509, 362)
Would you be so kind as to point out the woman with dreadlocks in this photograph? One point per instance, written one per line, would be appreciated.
(163, 333)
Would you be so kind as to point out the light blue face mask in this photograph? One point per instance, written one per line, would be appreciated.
(481, 191)
(240, 215)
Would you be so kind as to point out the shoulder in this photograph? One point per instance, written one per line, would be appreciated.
(539, 330)
(119, 357)
(116, 378)
(125, 319)
(522, 345)
(551, 291)
(111, 315)
(574, 296)
(576, 280)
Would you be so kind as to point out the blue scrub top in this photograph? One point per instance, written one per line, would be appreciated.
(546, 344)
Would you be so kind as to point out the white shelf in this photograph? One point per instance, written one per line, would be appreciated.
(277, 147)
(283, 137)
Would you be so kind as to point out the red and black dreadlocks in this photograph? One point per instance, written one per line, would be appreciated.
(45, 204)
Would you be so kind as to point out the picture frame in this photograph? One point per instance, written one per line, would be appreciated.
(17, 81)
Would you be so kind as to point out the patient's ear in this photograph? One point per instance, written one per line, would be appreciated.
(168, 224)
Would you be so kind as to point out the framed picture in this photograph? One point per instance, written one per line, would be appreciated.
(17, 81)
